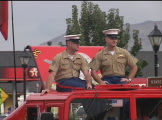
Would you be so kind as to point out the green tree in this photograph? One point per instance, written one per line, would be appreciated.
(135, 49)
(73, 26)
(99, 24)
(85, 23)
(92, 22)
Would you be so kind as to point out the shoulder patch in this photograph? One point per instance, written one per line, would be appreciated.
(92, 60)
(53, 62)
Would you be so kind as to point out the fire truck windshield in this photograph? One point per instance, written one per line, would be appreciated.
(112, 109)
(98, 109)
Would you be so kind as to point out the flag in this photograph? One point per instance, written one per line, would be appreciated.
(4, 19)
(117, 102)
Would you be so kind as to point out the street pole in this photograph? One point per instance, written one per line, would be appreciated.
(24, 82)
(156, 63)
(156, 49)
(155, 37)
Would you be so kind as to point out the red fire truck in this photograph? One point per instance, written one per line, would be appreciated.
(137, 100)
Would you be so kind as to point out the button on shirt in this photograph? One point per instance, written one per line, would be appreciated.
(67, 68)
(112, 65)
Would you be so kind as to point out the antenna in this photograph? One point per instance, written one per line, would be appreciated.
(15, 101)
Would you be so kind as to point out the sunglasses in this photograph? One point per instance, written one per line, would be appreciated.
(76, 41)
(114, 38)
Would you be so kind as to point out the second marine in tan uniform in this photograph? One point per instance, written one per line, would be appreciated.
(112, 62)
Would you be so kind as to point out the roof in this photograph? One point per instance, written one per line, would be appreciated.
(55, 41)
(101, 90)
(7, 59)
(31, 86)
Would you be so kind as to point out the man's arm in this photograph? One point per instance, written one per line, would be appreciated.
(88, 79)
(132, 63)
(132, 74)
(50, 79)
(97, 78)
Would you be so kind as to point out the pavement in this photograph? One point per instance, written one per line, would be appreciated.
(2, 117)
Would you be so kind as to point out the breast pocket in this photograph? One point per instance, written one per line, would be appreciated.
(65, 65)
(77, 65)
(121, 61)
(105, 62)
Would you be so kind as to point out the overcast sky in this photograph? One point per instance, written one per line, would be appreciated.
(36, 22)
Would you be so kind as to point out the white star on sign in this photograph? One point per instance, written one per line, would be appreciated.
(34, 72)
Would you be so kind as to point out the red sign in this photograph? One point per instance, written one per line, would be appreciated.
(45, 54)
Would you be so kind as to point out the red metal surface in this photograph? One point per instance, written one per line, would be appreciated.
(63, 99)
(17, 114)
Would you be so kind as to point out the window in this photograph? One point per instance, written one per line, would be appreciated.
(107, 109)
(147, 107)
(32, 113)
(55, 111)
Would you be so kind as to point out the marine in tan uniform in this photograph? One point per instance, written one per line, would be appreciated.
(112, 61)
(66, 66)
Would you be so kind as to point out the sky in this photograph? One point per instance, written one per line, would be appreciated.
(35, 22)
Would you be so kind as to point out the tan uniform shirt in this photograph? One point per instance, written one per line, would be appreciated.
(112, 65)
(67, 68)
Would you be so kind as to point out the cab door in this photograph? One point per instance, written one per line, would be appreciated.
(57, 108)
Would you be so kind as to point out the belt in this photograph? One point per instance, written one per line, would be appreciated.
(68, 87)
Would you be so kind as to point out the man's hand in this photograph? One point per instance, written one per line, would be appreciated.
(89, 86)
(103, 82)
(44, 91)
(125, 80)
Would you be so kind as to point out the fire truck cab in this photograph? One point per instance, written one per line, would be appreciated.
(137, 100)
(105, 102)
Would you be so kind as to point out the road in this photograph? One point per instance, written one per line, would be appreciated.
(2, 117)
